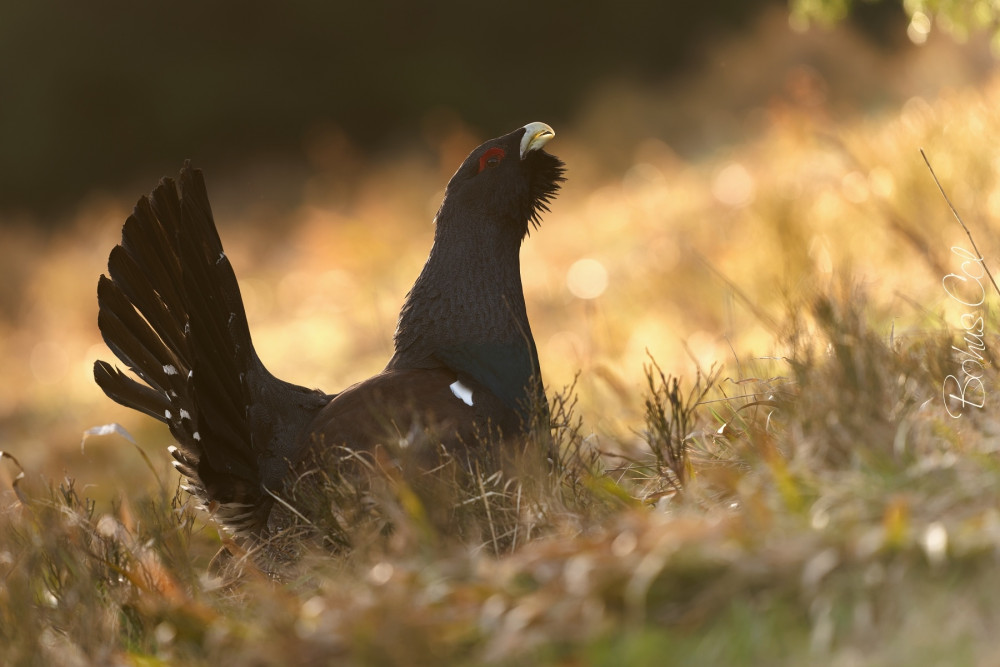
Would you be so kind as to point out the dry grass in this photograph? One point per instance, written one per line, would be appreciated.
(809, 500)
(836, 512)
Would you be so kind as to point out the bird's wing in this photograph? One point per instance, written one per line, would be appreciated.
(509, 370)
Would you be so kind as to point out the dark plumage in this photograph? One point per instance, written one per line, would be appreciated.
(465, 367)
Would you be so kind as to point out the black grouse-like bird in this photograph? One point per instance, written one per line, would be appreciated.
(465, 367)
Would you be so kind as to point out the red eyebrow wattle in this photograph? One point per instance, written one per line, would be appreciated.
(491, 153)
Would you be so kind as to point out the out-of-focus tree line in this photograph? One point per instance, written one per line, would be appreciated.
(93, 94)
(958, 18)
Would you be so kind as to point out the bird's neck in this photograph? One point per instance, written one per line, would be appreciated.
(469, 291)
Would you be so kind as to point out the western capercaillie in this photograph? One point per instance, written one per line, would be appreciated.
(465, 367)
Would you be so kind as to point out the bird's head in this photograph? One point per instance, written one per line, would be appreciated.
(508, 181)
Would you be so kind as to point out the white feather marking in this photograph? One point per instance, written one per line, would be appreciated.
(222, 256)
(185, 414)
(171, 449)
(170, 369)
(166, 413)
(196, 436)
(461, 391)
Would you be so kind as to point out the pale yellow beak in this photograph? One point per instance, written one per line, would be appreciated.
(535, 136)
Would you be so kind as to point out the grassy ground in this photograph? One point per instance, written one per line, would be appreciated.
(803, 495)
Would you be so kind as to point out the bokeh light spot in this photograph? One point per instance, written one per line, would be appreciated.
(734, 186)
(881, 182)
(587, 278)
(917, 113)
(919, 28)
(381, 573)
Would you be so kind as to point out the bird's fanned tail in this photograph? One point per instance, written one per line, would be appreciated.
(171, 310)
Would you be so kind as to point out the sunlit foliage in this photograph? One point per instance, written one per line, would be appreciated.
(957, 18)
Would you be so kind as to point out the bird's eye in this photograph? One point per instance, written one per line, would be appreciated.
(490, 159)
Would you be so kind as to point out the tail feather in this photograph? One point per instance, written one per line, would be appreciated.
(171, 311)
(132, 340)
(137, 395)
(142, 281)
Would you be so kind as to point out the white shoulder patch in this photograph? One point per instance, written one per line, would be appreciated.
(461, 391)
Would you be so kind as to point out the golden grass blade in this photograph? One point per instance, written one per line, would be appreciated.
(958, 217)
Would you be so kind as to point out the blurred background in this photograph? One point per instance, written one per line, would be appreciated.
(724, 159)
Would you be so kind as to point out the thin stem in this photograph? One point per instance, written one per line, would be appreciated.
(959, 218)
